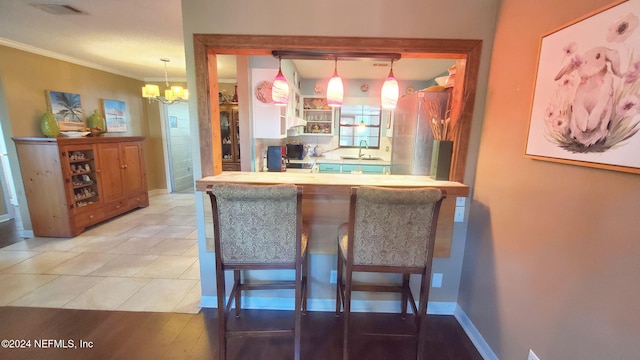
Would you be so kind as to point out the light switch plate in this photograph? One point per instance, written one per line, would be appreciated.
(459, 214)
(460, 201)
(436, 280)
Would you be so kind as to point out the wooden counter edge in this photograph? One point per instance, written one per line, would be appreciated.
(314, 185)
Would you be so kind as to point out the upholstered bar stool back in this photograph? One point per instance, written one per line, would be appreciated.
(257, 223)
(258, 227)
(389, 231)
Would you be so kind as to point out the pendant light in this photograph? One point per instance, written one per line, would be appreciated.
(335, 89)
(280, 88)
(390, 91)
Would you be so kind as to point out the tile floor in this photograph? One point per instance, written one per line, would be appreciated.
(145, 260)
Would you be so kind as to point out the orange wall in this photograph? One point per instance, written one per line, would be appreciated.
(553, 251)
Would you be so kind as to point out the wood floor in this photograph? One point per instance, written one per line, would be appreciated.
(147, 335)
(10, 232)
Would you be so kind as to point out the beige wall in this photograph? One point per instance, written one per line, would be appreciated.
(552, 255)
(379, 18)
(25, 77)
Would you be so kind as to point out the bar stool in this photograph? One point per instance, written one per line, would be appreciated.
(389, 231)
(258, 227)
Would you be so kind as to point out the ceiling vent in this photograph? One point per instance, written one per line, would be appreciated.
(58, 9)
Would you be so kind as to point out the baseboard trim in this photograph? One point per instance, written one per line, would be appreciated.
(328, 305)
(472, 332)
(27, 234)
(158, 191)
(4, 217)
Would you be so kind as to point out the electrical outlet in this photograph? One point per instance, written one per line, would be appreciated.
(460, 201)
(436, 280)
(459, 214)
(333, 278)
(532, 355)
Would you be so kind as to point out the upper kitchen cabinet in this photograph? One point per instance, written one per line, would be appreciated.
(269, 121)
(318, 115)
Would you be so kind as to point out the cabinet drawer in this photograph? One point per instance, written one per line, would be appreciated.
(88, 218)
(331, 168)
(365, 169)
(140, 200)
(116, 207)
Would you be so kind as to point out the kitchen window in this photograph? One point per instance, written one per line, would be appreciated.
(357, 123)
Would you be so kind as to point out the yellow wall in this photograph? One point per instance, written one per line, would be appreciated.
(25, 77)
(552, 251)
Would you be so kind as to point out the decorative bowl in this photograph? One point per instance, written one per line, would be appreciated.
(75, 134)
(96, 132)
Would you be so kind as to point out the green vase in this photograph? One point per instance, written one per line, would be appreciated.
(95, 121)
(49, 125)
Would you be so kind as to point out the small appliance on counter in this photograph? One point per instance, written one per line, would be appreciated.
(295, 151)
(276, 158)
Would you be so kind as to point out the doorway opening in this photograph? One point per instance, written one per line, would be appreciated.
(177, 144)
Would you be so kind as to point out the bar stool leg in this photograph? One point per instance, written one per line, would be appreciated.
(422, 322)
(405, 295)
(298, 305)
(347, 313)
(339, 283)
(238, 299)
(305, 280)
(222, 315)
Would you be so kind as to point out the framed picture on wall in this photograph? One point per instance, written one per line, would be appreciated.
(115, 115)
(67, 109)
(586, 104)
(173, 121)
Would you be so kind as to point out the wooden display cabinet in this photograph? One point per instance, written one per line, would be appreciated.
(74, 183)
(230, 136)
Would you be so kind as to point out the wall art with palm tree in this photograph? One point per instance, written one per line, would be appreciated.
(67, 109)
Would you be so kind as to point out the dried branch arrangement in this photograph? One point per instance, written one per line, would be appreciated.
(439, 120)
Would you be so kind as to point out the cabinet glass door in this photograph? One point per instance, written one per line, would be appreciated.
(83, 177)
(236, 124)
(225, 133)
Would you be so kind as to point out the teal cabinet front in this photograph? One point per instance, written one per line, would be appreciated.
(366, 169)
(328, 168)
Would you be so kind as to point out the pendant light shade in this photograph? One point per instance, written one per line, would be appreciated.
(280, 89)
(172, 94)
(335, 89)
(390, 91)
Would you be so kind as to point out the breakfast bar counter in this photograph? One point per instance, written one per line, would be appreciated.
(326, 200)
(332, 184)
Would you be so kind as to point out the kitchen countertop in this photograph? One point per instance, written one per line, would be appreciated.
(332, 184)
(326, 200)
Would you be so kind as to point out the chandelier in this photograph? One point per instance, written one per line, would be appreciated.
(172, 94)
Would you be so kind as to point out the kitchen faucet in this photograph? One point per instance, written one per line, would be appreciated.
(360, 154)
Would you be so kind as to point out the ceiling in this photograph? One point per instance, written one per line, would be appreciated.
(129, 37)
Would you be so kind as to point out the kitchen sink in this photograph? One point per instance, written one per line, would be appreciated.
(362, 158)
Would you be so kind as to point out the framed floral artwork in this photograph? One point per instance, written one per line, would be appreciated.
(67, 109)
(115, 115)
(586, 102)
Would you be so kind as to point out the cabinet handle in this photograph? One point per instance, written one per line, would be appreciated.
(118, 207)
(123, 167)
(90, 216)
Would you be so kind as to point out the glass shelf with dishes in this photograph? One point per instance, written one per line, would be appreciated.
(83, 176)
(319, 116)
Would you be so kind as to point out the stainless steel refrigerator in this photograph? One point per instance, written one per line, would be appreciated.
(412, 141)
